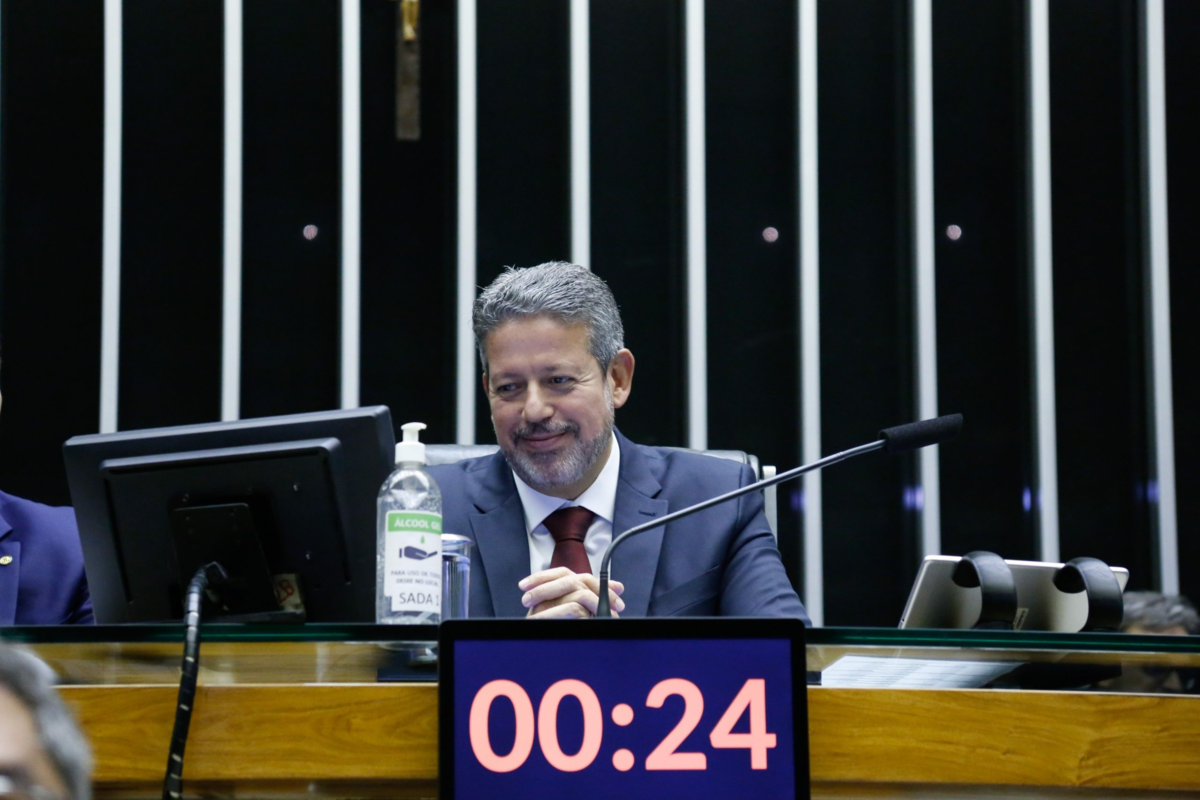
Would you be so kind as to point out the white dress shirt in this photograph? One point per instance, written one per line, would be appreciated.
(600, 498)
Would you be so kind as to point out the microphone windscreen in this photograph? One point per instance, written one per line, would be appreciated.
(914, 435)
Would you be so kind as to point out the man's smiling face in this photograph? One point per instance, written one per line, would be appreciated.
(552, 405)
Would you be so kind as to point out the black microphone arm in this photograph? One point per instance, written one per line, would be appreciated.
(899, 439)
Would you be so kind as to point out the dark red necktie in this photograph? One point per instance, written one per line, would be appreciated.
(569, 526)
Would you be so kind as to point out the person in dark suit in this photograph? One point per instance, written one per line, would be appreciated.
(41, 565)
(542, 511)
(42, 581)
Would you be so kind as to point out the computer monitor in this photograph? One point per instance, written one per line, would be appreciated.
(280, 502)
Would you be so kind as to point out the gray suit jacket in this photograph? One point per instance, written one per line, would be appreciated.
(720, 561)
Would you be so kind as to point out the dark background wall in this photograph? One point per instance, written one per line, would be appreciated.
(51, 117)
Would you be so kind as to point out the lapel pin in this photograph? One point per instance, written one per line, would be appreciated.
(5, 561)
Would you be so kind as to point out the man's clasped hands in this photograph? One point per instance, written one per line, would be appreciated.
(559, 593)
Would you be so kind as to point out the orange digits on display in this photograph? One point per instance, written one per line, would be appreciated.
(481, 743)
(664, 756)
(753, 695)
(593, 725)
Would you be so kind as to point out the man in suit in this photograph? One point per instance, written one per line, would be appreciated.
(543, 509)
(41, 565)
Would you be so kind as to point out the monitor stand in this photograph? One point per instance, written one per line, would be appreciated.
(226, 533)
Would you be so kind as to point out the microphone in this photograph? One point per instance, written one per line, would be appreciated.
(899, 439)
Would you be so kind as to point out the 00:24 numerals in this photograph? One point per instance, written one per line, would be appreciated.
(752, 697)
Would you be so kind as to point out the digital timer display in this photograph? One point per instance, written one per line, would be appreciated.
(638, 717)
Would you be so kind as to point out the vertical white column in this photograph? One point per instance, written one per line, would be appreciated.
(351, 201)
(231, 303)
(1041, 251)
(1155, 171)
(581, 143)
(110, 294)
(467, 366)
(810, 320)
(923, 263)
(697, 230)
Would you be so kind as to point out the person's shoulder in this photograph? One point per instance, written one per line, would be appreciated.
(680, 464)
(49, 530)
(456, 473)
(462, 465)
(25, 514)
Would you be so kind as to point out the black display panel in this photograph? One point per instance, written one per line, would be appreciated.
(639, 201)
(869, 509)
(984, 313)
(409, 225)
(728, 674)
(291, 335)
(1099, 302)
(753, 242)
(51, 176)
(172, 164)
(524, 157)
(1182, 30)
(290, 496)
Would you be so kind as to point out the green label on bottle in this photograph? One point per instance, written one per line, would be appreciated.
(413, 561)
(414, 522)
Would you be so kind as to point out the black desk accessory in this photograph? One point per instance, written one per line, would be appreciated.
(996, 585)
(1106, 607)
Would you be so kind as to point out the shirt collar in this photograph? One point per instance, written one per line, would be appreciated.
(600, 498)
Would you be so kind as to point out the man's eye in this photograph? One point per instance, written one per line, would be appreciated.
(560, 380)
(506, 388)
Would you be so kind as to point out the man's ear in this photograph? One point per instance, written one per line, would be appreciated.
(485, 385)
(620, 372)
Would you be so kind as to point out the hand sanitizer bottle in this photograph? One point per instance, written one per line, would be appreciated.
(408, 577)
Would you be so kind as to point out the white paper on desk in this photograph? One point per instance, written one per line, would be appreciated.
(861, 672)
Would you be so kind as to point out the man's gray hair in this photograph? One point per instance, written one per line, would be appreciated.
(32, 682)
(565, 292)
(1157, 612)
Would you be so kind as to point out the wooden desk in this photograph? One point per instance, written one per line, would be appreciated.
(380, 740)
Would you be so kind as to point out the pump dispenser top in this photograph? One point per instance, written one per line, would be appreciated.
(411, 450)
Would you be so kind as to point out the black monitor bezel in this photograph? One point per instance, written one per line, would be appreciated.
(367, 433)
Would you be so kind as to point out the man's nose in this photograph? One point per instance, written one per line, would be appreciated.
(537, 405)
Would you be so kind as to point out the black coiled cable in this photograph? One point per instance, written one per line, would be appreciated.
(210, 573)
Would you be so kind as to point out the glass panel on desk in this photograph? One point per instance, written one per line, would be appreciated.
(229, 654)
(1110, 662)
(878, 657)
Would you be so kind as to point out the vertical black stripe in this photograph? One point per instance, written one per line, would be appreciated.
(524, 156)
(983, 301)
(870, 520)
(753, 241)
(408, 227)
(1100, 345)
(291, 179)
(1182, 27)
(171, 213)
(638, 201)
(51, 176)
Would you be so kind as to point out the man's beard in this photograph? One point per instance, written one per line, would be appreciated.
(569, 463)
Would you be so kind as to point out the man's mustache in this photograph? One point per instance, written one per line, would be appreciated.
(545, 429)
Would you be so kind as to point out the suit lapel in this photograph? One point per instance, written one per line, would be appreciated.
(498, 528)
(635, 564)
